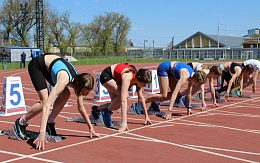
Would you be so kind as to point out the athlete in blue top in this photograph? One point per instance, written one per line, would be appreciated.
(174, 75)
(60, 74)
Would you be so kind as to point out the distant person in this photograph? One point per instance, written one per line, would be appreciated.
(66, 57)
(4, 57)
(233, 74)
(33, 54)
(252, 78)
(23, 58)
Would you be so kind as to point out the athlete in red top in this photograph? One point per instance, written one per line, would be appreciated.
(117, 79)
(119, 69)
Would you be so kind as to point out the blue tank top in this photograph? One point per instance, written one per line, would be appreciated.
(178, 66)
(61, 64)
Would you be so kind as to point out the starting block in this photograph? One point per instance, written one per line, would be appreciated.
(96, 122)
(242, 96)
(130, 110)
(30, 135)
(193, 106)
(234, 95)
(136, 109)
(209, 99)
(151, 111)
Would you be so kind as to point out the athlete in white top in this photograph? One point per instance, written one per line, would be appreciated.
(253, 77)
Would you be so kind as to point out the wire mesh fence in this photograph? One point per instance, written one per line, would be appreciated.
(149, 55)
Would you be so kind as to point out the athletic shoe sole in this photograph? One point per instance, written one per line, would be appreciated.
(108, 124)
(18, 135)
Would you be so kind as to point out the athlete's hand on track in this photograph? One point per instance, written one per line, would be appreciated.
(168, 115)
(253, 89)
(123, 128)
(147, 121)
(204, 106)
(226, 96)
(39, 141)
(215, 104)
(93, 133)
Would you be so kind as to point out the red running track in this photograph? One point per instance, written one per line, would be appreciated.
(229, 133)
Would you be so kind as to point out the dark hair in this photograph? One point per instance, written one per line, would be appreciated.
(248, 67)
(216, 70)
(144, 75)
(200, 76)
(82, 80)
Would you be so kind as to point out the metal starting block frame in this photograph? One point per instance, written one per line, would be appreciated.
(158, 113)
(199, 106)
(130, 110)
(150, 112)
(96, 122)
(234, 95)
(209, 99)
(30, 135)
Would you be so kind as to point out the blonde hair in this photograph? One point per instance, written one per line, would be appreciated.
(81, 81)
(204, 67)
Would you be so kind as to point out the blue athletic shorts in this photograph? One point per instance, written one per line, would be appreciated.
(164, 69)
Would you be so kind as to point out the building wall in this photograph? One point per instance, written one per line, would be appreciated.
(14, 53)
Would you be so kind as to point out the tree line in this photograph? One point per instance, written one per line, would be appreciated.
(105, 34)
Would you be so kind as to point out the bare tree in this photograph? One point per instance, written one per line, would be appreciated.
(109, 32)
(86, 38)
(105, 34)
(55, 30)
(17, 17)
(122, 28)
(73, 30)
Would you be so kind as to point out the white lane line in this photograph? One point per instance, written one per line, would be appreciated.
(223, 149)
(236, 115)
(162, 126)
(198, 124)
(193, 148)
(218, 126)
(128, 132)
(22, 155)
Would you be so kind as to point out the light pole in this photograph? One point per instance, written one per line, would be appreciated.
(153, 48)
(144, 43)
(172, 41)
(225, 43)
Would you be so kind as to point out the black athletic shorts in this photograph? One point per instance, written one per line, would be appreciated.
(106, 75)
(232, 67)
(38, 73)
